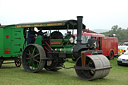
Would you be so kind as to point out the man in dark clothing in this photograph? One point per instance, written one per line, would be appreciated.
(40, 32)
(31, 36)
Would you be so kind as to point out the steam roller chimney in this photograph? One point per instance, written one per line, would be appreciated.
(79, 28)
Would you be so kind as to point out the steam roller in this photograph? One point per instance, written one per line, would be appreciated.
(50, 51)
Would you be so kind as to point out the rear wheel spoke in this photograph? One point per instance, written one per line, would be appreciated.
(37, 61)
(28, 62)
(33, 51)
(36, 55)
(29, 52)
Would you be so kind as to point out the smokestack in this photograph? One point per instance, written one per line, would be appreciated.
(79, 28)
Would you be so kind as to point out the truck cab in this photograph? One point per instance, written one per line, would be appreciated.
(109, 45)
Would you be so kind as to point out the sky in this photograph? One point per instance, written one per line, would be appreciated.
(97, 14)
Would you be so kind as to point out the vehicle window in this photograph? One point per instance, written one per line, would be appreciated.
(75, 40)
(121, 47)
(83, 38)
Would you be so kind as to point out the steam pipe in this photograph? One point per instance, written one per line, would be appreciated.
(79, 28)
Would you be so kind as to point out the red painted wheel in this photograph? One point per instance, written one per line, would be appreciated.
(111, 55)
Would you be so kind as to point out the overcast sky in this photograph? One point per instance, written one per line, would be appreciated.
(98, 14)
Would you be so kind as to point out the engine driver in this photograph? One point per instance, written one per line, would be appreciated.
(31, 36)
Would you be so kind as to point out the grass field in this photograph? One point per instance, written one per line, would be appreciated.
(11, 75)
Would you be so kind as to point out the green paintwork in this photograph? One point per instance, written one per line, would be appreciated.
(68, 46)
(11, 39)
(66, 40)
(38, 40)
(64, 50)
(1, 41)
(56, 41)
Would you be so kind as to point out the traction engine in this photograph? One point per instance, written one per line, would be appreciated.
(51, 52)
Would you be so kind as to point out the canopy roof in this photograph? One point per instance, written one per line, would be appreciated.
(65, 24)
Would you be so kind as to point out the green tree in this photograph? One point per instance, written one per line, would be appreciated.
(121, 34)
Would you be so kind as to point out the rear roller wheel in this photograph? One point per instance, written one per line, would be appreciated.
(33, 58)
(85, 74)
(18, 62)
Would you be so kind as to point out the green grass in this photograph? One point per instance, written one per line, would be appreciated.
(11, 75)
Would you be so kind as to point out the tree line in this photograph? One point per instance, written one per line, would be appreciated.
(120, 33)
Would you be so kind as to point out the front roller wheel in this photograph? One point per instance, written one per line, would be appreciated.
(97, 66)
(85, 74)
(33, 58)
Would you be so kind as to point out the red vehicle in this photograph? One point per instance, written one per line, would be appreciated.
(109, 45)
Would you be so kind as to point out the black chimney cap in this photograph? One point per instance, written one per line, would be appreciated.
(79, 16)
